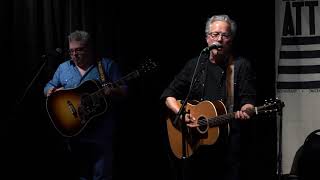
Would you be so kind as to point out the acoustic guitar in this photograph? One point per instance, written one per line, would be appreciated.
(209, 116)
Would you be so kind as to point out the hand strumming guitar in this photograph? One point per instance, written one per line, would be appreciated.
(52, 90)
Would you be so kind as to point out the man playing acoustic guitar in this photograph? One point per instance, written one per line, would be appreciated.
(80, 92)
(219, 82)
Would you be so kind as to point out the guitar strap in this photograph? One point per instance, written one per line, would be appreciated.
(230, 85)
(101, 72)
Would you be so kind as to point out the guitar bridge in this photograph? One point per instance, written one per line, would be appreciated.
(72, 109)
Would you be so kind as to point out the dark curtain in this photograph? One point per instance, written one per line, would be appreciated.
(33, 28)
(129, 33)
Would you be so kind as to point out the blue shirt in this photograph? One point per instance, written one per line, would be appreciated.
(68, 76)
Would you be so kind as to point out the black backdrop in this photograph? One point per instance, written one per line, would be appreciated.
(128, 33)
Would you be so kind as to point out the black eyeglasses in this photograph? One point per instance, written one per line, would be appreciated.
(79, 50)
(215, 35)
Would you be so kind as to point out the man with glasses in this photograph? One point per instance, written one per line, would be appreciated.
(91, 148)
(215, 76)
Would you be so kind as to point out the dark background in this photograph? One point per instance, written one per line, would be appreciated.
(129, 33)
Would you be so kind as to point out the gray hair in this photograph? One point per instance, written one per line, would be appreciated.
(225, 18)
(82, 36)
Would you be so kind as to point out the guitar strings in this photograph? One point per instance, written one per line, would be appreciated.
(216, 121)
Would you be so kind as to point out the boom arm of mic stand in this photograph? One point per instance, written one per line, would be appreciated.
(32, 81)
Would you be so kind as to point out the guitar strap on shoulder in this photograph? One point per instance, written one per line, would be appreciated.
(230, 85)
(101, 72)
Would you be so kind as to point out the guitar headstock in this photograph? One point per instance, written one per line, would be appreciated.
(270, 106)
(147, 66)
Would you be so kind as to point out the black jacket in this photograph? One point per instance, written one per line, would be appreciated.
(244, 82)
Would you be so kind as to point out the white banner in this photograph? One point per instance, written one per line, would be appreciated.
(298, 73)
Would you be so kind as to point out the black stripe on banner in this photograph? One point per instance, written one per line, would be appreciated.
(299, 85)
(300, 40)
(299, 54)
(298, 69)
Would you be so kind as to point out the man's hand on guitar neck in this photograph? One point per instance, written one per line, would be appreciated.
(242, 114)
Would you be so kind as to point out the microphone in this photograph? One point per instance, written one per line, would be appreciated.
(214, 45)
(56, 53)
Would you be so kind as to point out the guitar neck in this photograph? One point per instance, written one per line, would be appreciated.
(221, 120)
(124, 79)
(226, 118)
(107, 87)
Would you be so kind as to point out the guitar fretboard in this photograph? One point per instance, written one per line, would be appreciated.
(217, 121)
(224, 119)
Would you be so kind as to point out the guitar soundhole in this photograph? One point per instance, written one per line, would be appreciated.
(203, 125)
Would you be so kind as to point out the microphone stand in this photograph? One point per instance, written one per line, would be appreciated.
(183, 127)
(279, 134)
(181, 113)
(33, 80)
(57, 53)
(16, 107)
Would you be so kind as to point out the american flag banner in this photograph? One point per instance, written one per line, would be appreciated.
(298, 74)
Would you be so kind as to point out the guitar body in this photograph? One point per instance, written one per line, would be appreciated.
(70, 110)
(202, 135)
